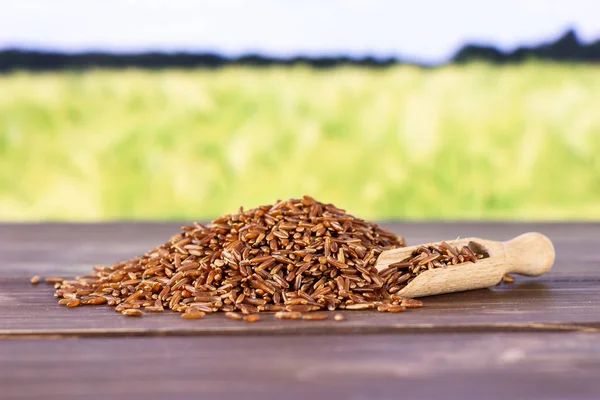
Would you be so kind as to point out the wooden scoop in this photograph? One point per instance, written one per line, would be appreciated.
(530, 254)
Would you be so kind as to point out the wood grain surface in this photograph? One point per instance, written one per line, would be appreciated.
(411, 366)
(536, 338)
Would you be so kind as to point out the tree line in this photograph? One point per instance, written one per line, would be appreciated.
(567, 48)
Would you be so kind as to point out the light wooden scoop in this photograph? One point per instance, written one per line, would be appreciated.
(530, 254)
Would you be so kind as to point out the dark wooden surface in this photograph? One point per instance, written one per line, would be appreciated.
(537, 338)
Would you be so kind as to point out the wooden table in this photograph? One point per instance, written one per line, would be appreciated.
(536, 338)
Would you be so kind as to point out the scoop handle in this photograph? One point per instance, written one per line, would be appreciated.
(530, 254)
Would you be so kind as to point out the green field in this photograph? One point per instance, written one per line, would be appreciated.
(458, 142)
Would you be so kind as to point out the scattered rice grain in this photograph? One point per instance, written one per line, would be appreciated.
(252, 318)
(132, 312)
(288, 315)
(73, 303)
(315, 316)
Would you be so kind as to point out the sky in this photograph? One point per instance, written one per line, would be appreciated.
(425, 30)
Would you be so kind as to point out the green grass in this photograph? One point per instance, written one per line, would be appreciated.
(468, 142)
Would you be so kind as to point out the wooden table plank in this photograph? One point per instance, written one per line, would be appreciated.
(423, 366)
(565, 299)
(550, 306)
(497, 343)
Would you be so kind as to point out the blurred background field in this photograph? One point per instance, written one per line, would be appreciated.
(186, 110)
(473, 141)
